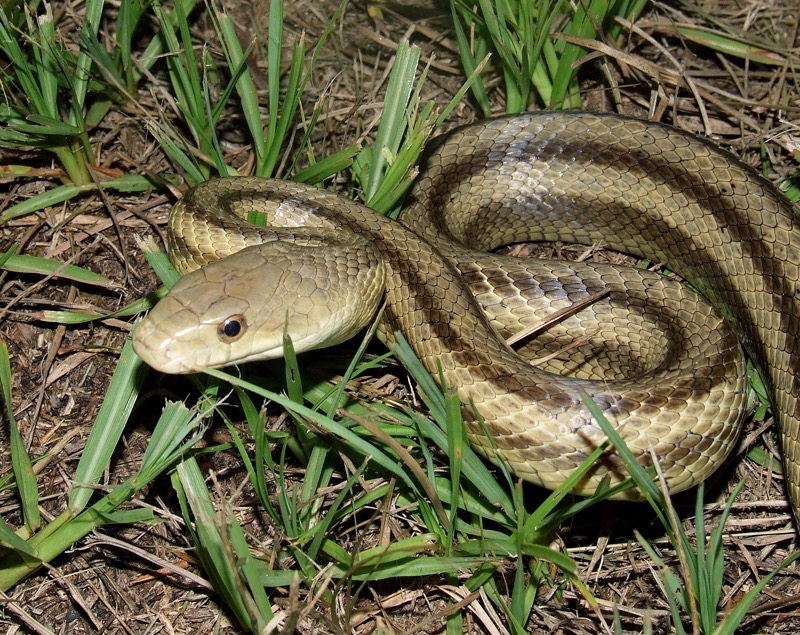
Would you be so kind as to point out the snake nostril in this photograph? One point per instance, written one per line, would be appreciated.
(232, 329)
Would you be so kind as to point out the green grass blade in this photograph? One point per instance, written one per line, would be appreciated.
(47, 267)
(733, 46)
(48, 198)
(20, 461)
(62, 193)
(328, 167)
(646, 485)
(111, 420)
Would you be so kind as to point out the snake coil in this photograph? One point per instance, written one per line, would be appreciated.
(662, 375)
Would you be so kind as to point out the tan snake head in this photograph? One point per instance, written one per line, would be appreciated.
(237, 310)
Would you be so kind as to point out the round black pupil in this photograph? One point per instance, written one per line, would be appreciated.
(231, 328)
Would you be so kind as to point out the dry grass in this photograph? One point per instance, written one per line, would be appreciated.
(136, 580)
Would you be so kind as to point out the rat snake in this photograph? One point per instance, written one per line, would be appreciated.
(654, 356)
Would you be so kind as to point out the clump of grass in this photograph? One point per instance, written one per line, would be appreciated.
(53, 98)
(33, 544)
(536, 64)
(695, 592)
(195, 148)
(32, 110)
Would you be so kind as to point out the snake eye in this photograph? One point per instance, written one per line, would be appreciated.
(232, 329)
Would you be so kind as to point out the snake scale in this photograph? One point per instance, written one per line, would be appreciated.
(662, 374)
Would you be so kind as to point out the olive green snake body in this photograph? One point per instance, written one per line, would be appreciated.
(668, 375)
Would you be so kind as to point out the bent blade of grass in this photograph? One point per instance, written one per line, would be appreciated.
(733, 46)
(418, 566)
(388, 556)
(458, 98)
(20, 461)
(62, 193)
(82, 317)
(471, 501)
(48, 198)
(43, 126)
(57, 269)
(107, 430)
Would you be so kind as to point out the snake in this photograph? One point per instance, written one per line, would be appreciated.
(661, 361)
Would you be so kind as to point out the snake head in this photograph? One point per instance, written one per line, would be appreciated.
(237, 309)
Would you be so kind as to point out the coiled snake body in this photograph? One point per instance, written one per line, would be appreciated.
(662, 375)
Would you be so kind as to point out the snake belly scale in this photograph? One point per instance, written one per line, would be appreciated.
(637, 187)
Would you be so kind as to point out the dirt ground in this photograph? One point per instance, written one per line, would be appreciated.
(61, 374)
